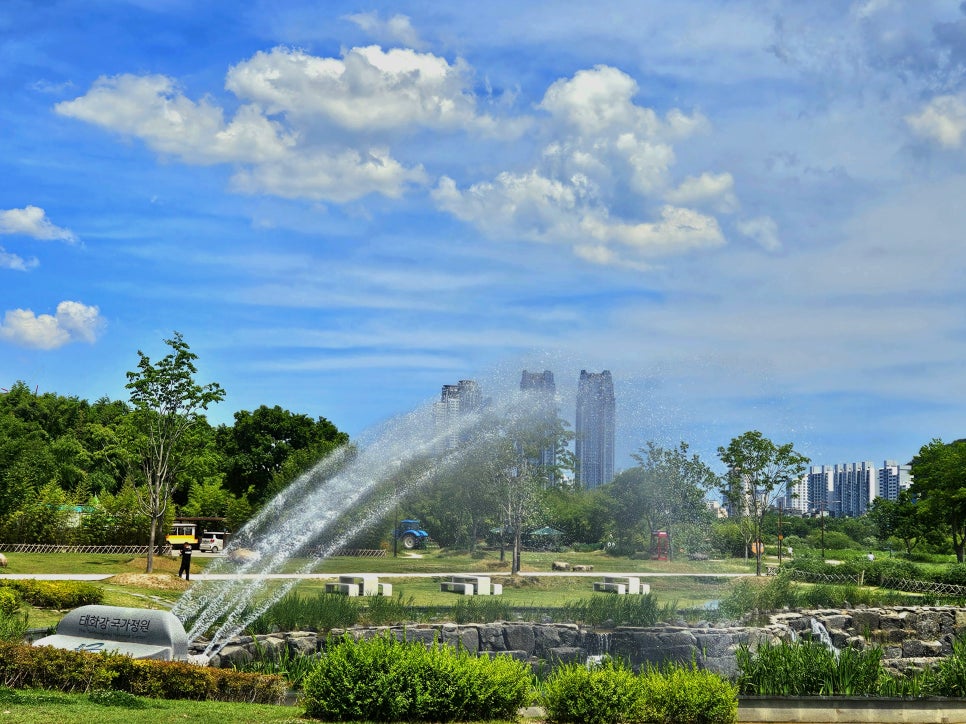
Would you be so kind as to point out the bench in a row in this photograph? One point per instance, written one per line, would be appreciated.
(622, 585)
(471, 586)
(359, 586)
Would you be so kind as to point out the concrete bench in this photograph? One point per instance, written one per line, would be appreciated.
(453, 587)
(606, 587)
(364, 585)
(385, 589)
(622, 584)
(140, 633)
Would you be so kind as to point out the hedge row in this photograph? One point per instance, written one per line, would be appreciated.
(46, 667)
(54, 594)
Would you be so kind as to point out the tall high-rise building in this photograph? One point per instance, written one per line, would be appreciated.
(796, 495)
(594, 443)
(541, 395)
(821, 483)
(893, 477)
(455, 402)
(855, 488)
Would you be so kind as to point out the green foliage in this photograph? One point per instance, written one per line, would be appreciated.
(13, 625)
(611, 693)
(808, 668)
(23, 666)
(939, 483)
(383, 679)
(641, 610)
(55, 594)
(309, 613)
(605, 694)
(10, 601)
(678, 694)
(480, 609)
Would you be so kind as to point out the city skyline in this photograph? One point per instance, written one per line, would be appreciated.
(748, 212)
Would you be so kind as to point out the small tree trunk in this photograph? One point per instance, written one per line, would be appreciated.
(151, 537)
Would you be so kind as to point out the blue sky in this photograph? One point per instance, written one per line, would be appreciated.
(750, 212)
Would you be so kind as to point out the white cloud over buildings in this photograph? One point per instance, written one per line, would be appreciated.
(32, 221)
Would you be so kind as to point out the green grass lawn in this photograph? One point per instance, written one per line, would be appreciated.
(31, 706)
(520, 591)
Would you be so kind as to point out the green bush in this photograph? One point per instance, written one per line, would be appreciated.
(383, 679)
(687, 695)
(45, 667)
(605, 694)
(55, 594)
(10, 602)
(611, 693)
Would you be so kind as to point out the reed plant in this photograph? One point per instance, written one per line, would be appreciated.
(613, 610)
(808, 668)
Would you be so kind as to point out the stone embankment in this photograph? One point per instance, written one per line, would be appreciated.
(909, 637)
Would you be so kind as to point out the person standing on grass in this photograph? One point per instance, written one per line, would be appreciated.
(185, 562)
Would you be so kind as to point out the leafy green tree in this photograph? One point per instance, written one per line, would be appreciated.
(43, 518)
(902, 518)
(939, 482)
(167, 404)
(584, 516)
(268, 448)
(676, 484)
(759, 471)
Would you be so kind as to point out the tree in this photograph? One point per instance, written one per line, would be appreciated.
(758, 472)
(902, 518)
(268, 448)
(939, 482)
(676, 484)
(167, 404)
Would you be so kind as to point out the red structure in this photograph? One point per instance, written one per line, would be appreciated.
(660, 546)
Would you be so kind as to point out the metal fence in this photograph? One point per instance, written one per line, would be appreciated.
(896, 584)
(54, 548)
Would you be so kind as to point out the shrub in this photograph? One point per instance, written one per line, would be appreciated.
(9, 602)
(604, 694)
(45, 667)
(383, 679)
(687, 695)
(610, 693)
(56, 594)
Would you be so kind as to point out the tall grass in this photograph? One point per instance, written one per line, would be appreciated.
(597, 610)
(808, 668)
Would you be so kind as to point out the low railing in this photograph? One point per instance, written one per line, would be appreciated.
(360, 552)
(56, 548)
(896, 584)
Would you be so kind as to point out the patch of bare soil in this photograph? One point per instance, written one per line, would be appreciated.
(157, 581)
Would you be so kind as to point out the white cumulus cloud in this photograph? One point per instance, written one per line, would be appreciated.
(942, 120)
(32, 221)
(72, 322)
(607, 153)
(307, 127)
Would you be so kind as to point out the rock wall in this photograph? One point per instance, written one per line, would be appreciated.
(909, 637)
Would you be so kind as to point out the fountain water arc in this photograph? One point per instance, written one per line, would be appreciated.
(361, 480)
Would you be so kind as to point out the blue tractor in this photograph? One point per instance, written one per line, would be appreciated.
(410, 535)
